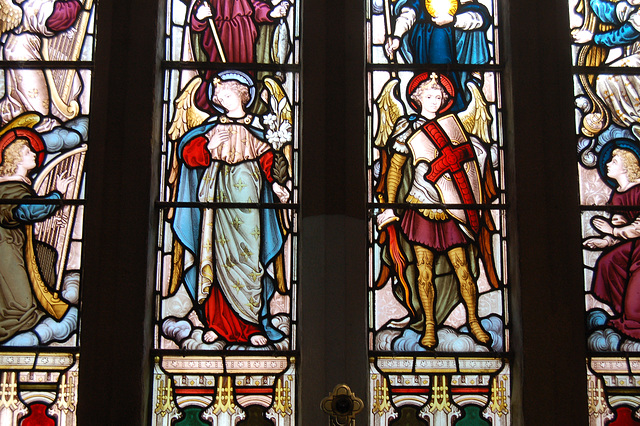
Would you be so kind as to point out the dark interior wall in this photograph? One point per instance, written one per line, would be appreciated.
(549, 292)
(547, 300)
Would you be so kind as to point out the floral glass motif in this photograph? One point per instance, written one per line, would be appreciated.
(44, 126)
(226, 277)
(605, 57)
(438, 285)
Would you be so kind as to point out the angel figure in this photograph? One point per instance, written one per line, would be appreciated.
(432, 160)
(616, 280)
(29, 25)
(227, 160)
(24, 295)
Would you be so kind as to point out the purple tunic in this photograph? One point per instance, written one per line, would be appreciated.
(438, 235)
(617, 280)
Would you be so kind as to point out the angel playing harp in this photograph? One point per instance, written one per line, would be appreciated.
(25, 294)
(429, 160)
(237, 251)
(38, 30)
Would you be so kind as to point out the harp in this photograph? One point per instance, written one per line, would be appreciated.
(66, 46)
(56, 230)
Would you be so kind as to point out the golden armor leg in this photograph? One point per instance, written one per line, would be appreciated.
(468, 291)
(426, 291)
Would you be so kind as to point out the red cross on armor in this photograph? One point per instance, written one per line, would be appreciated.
(451, 160)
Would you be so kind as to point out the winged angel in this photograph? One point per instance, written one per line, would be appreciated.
(427, 159)
(36, 30)
(230, 259)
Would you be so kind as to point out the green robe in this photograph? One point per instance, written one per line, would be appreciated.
(19, 309)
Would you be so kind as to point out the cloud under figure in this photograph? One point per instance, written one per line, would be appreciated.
(48, 330)
(630, 346)
(188, 337)
(71, 288)
(607, 340)
(596, 318)
(449, 339)
(493, 325)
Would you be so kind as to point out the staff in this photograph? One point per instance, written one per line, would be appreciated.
(207, 12)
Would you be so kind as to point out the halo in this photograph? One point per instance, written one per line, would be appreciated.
(444, 81)
(607, 152)
(35, 142)
(233, 75)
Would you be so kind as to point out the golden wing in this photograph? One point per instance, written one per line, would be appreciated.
(10, 16)
(389, 110)
(187, 114)
(476, 119)
(27, 119)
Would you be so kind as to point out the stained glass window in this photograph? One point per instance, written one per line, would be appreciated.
(225, 331)
(607, 115)
(46, 48)
(438, 286)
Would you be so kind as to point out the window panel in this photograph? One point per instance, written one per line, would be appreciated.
(605, 67)
(228, 208)
(44, 105)
(438, 279)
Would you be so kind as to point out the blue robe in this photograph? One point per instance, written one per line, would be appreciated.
(187, 226)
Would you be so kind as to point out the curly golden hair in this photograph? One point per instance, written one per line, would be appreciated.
(11, 156)
(629, 162)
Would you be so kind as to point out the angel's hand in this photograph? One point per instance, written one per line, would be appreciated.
(220, 137)
(392, 44)
(281, 10)
(596, 243)
(281, 192)
(602, 225)
(63, 182)
(203, 12)
(583, 36)
(442, 20)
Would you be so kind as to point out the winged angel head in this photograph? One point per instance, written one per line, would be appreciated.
(10, 15)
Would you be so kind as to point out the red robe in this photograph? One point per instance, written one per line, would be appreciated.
(235, 22)
(617, 279)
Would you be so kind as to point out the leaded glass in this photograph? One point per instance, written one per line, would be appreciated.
(226, 278)
(438, 275)
(46, 49)
(605, 63)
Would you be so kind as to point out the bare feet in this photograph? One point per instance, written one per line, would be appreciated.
(210, 336)
(258, 340)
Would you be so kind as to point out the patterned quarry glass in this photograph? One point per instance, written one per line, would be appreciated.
(438, 284)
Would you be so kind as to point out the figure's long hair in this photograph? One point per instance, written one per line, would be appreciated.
(11, 157)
